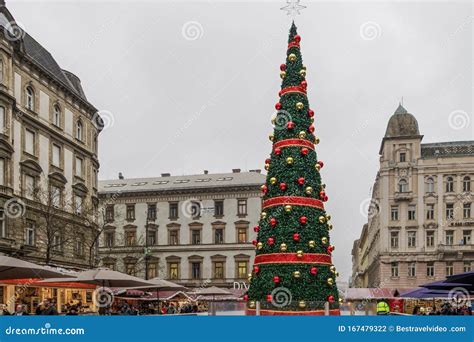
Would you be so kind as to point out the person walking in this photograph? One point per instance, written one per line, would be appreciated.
(383, 308)
(49, 308)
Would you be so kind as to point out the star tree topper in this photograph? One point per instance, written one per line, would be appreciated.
(293, 7)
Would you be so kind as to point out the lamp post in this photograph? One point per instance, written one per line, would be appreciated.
(146, 252)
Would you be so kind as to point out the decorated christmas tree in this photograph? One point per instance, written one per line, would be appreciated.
(293, 273)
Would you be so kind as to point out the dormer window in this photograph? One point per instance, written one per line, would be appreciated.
(56, 116)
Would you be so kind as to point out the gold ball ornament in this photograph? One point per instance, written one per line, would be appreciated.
(340, 300)
(302, 304)
(289, 160)
(283, 247)
(303, 67)
(303, 72)
(324, 240)
(249, 277)
(283, 74)
(302, 134)
(273, 120)
(259, 245)
(312, 244)
(337, 274)
(316, 140)
(267, 166)
(323, 186)
(296, 274)
(263, 215)
(330, 281)
(328, 217)
(288, 208)
(299, 254)
(252, 304)
(322, 219)
(332, 269)
(273, 180)
(329, 226)
(299, 105)
(271, 137)
(317, 167)
(308, 190)
(292, 57)
(312, 119)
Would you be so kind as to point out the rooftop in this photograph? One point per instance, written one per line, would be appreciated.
(447, 149)
(402, 124)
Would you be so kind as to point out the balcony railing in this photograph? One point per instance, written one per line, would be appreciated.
(456, 248)
(403, 196)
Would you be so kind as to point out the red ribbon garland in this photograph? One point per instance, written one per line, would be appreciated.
(293, 89)
(294, 142)
(332, 312)
(293, 200)
(292, 258)
(293, 44)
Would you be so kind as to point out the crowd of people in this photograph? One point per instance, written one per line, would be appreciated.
(446, 309)
(164, 308)
(45, 308)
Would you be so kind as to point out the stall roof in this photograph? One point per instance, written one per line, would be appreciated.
(368, 293)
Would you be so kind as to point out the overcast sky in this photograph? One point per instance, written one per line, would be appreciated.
(188, 86)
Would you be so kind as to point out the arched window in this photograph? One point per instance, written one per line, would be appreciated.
(449, 184)
(30, 98)
(466, 184)
(79, 130)
(402, 185)
(430, 185)
(57, 116)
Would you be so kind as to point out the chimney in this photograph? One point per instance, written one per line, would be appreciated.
(256, 171)
(121, 175)
(165, 174)
(235, 170)
(206, 172)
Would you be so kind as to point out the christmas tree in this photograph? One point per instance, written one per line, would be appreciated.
(293, 272)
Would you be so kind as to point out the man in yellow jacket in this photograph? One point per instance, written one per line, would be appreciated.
(383, 308)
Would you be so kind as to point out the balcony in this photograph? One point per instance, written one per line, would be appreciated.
(456, 248)
(403, 196)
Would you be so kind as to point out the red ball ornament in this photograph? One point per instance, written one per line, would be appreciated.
(322, 194)
(276, 279)
(246, 297)
(290, 125)
(278, 106)
(314, 270)
(254, 242)
(303, 219)
(325, 199)
(269, 298)
(331, 299)
(267, 161)
(256, 229)
(301, 180)
(310, 113)
(321, 163)
(283, 67)
(256, 269)
(304, 151)
(271, 241)
(264, 189)
(330, 249)
(296, 237)
(282, 186)
(304, 84)
(277, 151)
(273, 221)
(297, 38)
(311, 129)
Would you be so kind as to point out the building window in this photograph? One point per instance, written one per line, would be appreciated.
(110, 213)
(78, 204)
(173, 270)
(430, 185)
(219, 236)
(430, 269)
(394, 213)
(449, 268)
(449, 184)
(430, 238)
(411, 239)
(466, 210)
(130, 268)
(195, 270)
(130, 238)
(218, 270)
(466, 266)
(412, 269)
(3, 230)
(151, 237)
(242, 267)
(2, 72)
(394, 269)
(449, 238)
(219, 208)
(30, 186)
(466, 237)
(242, 235)
(394, 239)
(152, 270)
(79, 167)
(56, 155)
(79, 246)
(402, 185)
(449, 211)
(109, 239)
(56, 116)
(466, 184)
(130, 212)
(79, 130)
(173, 237)
(30, 142)
(56, 196)
(2, 171)
(3, 120)
(430, 210)
(403, 157)
(412, 212)
(242, 207)
(195, 236)
(174, 210)
(30, 98)
(151, 213)
(30, 234)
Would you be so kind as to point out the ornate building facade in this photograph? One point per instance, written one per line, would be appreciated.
(420, 220)
(188, 229)
(48, 154)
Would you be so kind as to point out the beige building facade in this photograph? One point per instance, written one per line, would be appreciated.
(191, 229)
(420, 221)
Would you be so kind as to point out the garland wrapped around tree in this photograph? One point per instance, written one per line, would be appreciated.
(293, 272)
